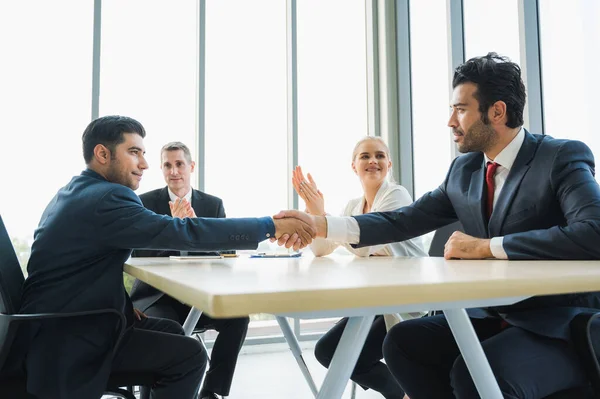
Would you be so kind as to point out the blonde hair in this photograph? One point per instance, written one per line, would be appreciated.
(370, 138)
(381, 141)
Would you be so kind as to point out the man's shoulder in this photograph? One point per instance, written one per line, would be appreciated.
(562, 151)
(87, 185)
(207, 197)
(549, 142)
(151, 194)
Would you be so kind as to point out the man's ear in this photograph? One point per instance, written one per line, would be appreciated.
(192, 166)
(101, 154)
(497, 113)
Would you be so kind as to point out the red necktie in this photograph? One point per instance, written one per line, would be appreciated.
(489, 181)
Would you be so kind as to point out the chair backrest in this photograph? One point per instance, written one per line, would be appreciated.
(441, 237)
(11, 275)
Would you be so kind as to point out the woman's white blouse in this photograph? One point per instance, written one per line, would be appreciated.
(389, 197)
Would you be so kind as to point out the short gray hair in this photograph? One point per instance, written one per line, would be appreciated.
(176, 146)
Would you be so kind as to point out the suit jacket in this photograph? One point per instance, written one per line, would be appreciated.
(549, 208)
(85, 235)
(144, 295)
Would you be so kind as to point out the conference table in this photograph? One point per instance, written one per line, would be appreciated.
(361, 288)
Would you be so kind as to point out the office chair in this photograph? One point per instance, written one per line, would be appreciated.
(441, 236)
(13, 381)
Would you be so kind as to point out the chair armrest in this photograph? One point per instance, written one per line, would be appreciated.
(20, 318)
(43, 316)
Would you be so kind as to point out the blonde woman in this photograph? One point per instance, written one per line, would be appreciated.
(371, 163)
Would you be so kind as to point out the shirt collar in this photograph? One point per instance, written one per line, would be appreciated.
(187, 197)
(506, 157)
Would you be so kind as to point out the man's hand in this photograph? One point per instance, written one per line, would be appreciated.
(293, 232)
(181, 208)
(139, 314)
(317, 223)
(463, 246)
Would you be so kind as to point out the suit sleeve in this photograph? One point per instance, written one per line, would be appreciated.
(125, 223)
(431, 211)
(572, 178)
(149, 202)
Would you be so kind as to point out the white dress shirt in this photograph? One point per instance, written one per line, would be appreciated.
(187, 197)
(346, 229)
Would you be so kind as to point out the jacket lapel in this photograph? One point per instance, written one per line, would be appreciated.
(511, 186)
(476, 202)
(162, 204)
(197, 201)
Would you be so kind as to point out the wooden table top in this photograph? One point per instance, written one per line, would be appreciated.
(242, 286)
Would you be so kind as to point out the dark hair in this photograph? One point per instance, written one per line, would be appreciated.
(497, 79)
(108, 131)
(175, 146)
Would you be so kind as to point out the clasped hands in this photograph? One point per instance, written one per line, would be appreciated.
(181, 208)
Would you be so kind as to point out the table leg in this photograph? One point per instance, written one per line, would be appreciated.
(297, 352)
(472, 352)
(345, 357)
(191, 321)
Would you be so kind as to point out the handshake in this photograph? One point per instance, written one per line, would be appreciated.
(292, 228)
(297, 229)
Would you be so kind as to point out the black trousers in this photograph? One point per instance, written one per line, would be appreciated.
(424, 358)
(159, 346)
(228, 344)
(369, 371)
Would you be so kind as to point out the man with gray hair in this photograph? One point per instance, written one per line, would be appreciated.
(179, 199)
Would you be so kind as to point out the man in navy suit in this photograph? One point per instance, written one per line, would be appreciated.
(518, 196)
(84, 236)
(178, 199)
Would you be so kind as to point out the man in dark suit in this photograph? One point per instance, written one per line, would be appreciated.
(84, 236)
(178, 199)
(518, 196)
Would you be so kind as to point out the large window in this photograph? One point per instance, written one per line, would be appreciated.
(246, 125)
(570, 59)
(492, 25)
(148, 72)
(332, 103)
(246, 136)
(45, 98)
(332, 95)
(432, 141)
